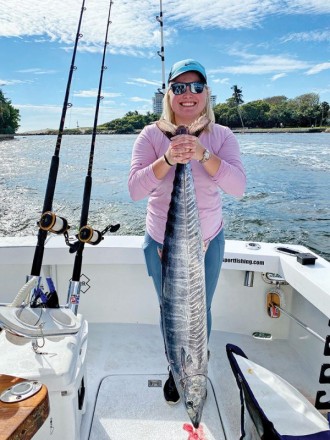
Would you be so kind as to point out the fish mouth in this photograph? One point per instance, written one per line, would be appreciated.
(194, 410)
(194, 397)
(195, 417)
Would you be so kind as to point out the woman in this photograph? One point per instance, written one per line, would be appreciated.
(216, 165)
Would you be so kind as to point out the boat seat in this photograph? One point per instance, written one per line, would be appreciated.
(39, 322)
(272, 408)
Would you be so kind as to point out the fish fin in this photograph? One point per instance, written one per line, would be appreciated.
(186, 361)
(198, 126)
(195, 129)
(166, 127)
(160, 252)
(183, 359)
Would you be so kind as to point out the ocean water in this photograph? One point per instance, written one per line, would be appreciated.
(286, 200)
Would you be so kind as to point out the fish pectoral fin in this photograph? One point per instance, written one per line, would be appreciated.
(186, 361)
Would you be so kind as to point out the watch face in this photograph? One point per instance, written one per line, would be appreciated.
(206, 156)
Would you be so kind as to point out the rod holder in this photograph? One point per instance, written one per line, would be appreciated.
(248, 278)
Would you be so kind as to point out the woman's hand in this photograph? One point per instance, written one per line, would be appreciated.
(184, 148)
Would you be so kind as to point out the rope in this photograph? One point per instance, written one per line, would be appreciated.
(24, 292)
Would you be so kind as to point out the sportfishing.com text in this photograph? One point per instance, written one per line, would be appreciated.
(243, 261)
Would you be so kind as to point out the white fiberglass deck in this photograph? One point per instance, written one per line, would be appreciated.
(143, 412)
(123, 357)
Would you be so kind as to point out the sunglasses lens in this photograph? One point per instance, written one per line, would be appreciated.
(196, 87)
(178, 88)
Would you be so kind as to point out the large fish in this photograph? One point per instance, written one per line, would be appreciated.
(183, 311)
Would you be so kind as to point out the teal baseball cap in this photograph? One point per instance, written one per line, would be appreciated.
(186, 66)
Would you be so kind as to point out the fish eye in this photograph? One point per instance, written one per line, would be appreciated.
(190, 404)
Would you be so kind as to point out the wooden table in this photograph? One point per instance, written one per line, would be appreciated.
(21, 420)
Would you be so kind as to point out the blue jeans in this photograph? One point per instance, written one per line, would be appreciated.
(213, 261)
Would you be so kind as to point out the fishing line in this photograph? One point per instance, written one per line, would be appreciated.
(49, 222)
(86, 233)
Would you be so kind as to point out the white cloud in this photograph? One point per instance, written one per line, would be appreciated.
(48, 116)
(37, 71)
(134, 32)
(41, 108)
(236, 14)
(134, 29)
(221, 80)
(138, 99)
(252, 64)
(143, 82)
(316, 35)
(92, 93)
(11, 82)
(298, 7)
(318, 68)
(278, 76)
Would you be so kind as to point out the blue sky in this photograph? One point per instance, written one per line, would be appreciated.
(266, 47)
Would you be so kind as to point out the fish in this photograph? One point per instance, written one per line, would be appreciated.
(183, 298)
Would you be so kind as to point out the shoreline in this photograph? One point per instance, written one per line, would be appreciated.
(5, 137)
(281, 130)
(49, 132)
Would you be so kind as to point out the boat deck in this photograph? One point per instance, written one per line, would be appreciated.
(122, 358)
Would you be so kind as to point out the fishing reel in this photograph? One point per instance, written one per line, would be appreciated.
(50, 222)
(90, 236)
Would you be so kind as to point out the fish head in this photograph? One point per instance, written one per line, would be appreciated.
(194, 392)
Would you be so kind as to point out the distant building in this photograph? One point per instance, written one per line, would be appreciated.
(213, 99)
(157, 103)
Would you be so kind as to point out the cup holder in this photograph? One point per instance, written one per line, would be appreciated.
(29, 317)
(63, 318)
(39, 322)
(20, 391)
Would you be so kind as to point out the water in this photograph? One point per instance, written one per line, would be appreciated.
(287, 196)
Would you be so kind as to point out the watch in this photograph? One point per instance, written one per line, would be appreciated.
(206, 156)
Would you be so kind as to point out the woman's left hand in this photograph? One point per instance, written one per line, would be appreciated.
(186, 147)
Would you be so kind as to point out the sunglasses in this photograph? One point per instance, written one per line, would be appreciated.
(180, 87)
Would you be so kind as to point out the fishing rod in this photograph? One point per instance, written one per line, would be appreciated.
(161, 52)
(49, 222)
(86, 233)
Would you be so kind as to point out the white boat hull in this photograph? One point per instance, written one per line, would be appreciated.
(120, 305)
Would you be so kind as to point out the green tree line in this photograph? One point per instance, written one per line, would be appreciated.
(9, 116)
(132, 122)
(277, 111)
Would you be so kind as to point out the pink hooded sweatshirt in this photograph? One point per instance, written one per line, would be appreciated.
(230, 178)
